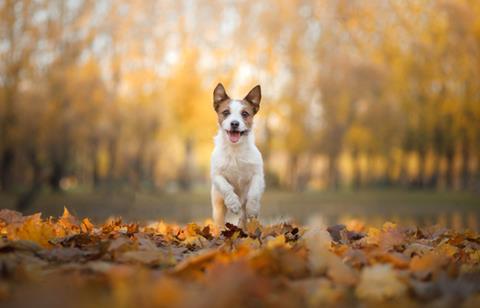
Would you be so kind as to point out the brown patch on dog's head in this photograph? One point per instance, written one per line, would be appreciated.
(221, 102)
(247, 113)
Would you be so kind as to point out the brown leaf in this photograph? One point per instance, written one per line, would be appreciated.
(113, 224)
(120, 244)
(392, 239)
(66, 254)
(147, 257)
(8, 246)
(205, 232)
(396, 259)
(356, 258)
(424, 266)
(195, 263)
(11, 217)
(337, 232)
(231, 230)
(416, 249)
(132, 228)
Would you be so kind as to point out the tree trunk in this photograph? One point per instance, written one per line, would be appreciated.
(449, 176)
(8, 155)
(150, 170)
(422, 160)
(333, 176)
(186, 172)
(388, 175)
(95, 169)
(26, 199)
(293, 172)
(8, 151)
(112, 161)
(465, 169)
(370, 178)
(435, 178)
(56, 176)
(403, 177)
(138, 166)
(357, 171)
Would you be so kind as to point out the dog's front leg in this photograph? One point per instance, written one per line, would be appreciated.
(257, 185)
(232, 202)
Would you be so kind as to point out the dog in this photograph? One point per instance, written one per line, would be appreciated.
(236, 163)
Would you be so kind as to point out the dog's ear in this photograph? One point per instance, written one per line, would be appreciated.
(219, 95)
(254, 97)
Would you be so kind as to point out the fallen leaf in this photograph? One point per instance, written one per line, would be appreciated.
(338, 232)
(69, 222)
(424, 266)
(378, 283)
(147, 257)
(86, 226)
(32, 228)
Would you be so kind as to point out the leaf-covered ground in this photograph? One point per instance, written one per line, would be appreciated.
(71, 262)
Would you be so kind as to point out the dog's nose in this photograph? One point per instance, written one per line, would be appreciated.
(234, 124)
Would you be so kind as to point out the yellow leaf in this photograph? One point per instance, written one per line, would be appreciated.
(447, 250)
(277, 241)
(33, 229)
(86, 226)
(373, 236)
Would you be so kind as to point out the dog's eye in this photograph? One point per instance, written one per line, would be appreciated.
(245, 114)
(226, 113)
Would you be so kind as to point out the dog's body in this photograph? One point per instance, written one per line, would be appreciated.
(236, 165)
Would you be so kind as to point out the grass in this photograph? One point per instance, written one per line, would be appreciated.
(455, 209)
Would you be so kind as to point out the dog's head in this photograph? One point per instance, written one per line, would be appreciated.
(235, 116)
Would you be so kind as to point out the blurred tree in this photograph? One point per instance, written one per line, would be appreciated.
(189, 106)
(18, 35)
(119, 92)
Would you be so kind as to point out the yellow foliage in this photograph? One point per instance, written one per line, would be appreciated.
(35, 230)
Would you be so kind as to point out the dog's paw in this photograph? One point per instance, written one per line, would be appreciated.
(233, 204)
(253, 208)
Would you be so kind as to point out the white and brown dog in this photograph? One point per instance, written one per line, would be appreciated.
(237, 165)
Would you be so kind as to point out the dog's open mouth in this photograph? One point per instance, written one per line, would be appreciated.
(234, 135)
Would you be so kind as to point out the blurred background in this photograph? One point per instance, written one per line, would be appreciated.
(370, 108)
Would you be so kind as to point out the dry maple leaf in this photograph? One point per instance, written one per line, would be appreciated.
(391, 238)
(206, 233)
(70, 223)
(262, 266)
(231, 230)
(338, 233)
(32, 228)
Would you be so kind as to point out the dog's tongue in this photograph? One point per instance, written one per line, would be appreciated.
(234, 136)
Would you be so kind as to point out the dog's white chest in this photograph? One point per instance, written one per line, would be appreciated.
(237, 170)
